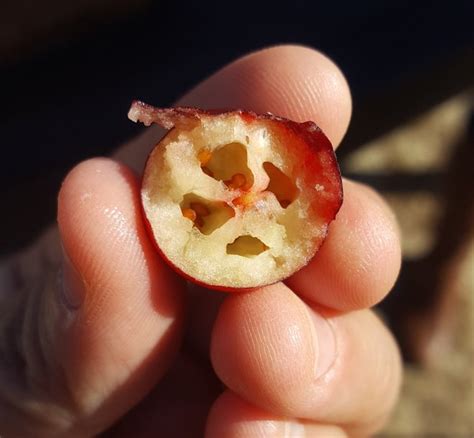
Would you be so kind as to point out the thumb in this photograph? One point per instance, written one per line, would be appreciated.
(88, 347)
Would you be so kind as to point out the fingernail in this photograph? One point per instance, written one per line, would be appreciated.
(71, 284)
(325, 343)
(294, 430)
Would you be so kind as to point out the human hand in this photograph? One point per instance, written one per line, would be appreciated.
(307, 357)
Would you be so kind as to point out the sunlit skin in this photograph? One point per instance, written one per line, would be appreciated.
(119, 343)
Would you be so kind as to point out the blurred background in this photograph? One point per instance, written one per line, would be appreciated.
(69, 70)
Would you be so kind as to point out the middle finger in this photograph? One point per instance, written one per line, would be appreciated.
(359, 262)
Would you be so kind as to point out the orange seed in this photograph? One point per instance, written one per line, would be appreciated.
(200, 209)
(189, 213)
(237, 181)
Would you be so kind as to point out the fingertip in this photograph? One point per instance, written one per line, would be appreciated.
(359, 262)
(101, 225)
(72, 188)
(253, 338)
(292, 81)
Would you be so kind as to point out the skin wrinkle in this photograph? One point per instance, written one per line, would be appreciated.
(123, 362)
(262, 76)
(51, 318)
(131, 321)
(35, 336)
(120, 228)
(315, 343)
(31, 347)
(133, 256)
(305, 97)
(121, 235)
(256, 335)
(274, 89)
(353, 348)
(378, 239)
(83, 257)
(293, 336)
(35, 395)
(316, 90)
(273, 350)
(268, 343)
(295, 94)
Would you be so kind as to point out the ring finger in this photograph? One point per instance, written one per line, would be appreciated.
(279, 354)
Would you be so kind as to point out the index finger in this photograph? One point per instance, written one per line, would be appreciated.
(295, 82)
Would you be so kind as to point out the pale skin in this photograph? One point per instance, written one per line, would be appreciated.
(302, 358)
